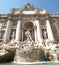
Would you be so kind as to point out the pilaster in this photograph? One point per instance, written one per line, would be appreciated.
(8, 30)
(49, 30)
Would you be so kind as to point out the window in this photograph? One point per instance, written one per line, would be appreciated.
(53, 21)
(4, 22)
(14, 23)
(43, 22)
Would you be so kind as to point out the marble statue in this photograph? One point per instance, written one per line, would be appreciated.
(13, 35)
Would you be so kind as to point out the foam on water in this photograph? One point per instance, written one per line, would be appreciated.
(36, 62)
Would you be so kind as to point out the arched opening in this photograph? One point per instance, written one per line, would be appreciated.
(28, 26)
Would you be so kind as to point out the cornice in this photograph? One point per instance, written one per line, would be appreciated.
(3, 15)
(54, 15)
(23, 16)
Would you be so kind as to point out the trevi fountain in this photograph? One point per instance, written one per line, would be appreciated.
(29, 51)
(29, 35)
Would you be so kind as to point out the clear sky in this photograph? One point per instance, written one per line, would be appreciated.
(52, 6)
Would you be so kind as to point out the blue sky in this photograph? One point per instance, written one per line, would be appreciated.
(52, 6)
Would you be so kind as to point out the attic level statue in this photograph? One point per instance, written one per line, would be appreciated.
(27, 32)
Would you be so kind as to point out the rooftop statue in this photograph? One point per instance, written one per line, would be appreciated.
(28, 6)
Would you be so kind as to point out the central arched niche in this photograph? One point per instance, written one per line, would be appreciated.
(28, 26)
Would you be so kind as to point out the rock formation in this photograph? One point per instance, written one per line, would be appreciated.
(29, 51)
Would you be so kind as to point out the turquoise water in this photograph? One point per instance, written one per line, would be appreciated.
(51, 63)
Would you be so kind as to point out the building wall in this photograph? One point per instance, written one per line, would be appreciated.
(13, 22)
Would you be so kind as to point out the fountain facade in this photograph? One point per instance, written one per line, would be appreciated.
(29, 34)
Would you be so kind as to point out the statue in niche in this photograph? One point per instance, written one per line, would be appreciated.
(45, 34)
(13, 35)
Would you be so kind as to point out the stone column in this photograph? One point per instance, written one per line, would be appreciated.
(56, 25)
(18, 31)
(49, 30)
(8, 30)
(39, 33)
(35, 32)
